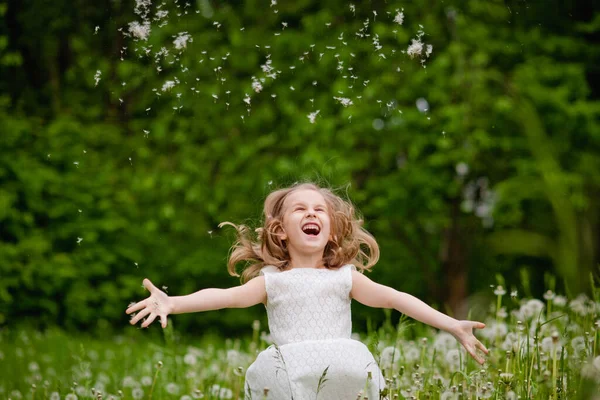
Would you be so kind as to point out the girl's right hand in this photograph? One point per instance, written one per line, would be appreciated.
(157, 305)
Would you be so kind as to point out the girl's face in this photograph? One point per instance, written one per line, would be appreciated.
(306, 222)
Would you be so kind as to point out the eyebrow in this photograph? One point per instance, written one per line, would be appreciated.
(297, 203)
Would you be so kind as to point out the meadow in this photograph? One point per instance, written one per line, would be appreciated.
(539, 349)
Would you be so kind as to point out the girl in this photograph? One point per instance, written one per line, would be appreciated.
(306, 265)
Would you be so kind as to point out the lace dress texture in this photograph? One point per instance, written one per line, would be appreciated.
(310, 323)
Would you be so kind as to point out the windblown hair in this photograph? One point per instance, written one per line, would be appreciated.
(350, 243)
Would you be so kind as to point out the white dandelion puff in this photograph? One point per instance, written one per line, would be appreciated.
(415, 48)
(140, 31)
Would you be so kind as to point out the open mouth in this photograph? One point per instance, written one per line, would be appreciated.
(311, 229)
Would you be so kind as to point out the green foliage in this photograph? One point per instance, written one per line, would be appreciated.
(104, 184)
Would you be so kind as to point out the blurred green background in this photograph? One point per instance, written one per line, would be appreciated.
(479, 160)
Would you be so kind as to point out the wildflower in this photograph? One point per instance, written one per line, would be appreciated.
(596, 363)
(172, 388)
(412, 354)
(128, 381)
(146, 381)
(559, 301)
(234, 357)
(225, 393)
(453, 358)
(506, 377)
(71, 396)
(137, 393)
(197, 394)
(579, 346)
(502, 313)
(185, 397)
(444, 341)
(549, 295)
(189, 359)
(54, 396)
(34, 367)
(580, 305)
(390, 357)
(494, 330)
(514, 294)
(499, 291)
(532, 308)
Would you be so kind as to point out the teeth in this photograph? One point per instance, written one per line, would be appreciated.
(311, 226)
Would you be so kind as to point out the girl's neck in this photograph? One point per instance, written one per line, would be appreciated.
(306, 261)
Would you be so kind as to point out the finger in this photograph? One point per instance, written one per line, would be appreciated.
(471, 351)
(149, 320)
(163, 321)
(482, 347)
(478, 325)
(148, 285)
(140, 315)
(136, 307)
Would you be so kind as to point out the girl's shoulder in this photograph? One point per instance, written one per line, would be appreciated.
(269, 269)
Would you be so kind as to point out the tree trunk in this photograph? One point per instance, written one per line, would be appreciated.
(454, 268)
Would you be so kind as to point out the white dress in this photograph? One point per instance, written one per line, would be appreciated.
(309, 321)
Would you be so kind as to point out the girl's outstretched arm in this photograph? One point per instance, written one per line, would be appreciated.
(373, 294)
(161, 305)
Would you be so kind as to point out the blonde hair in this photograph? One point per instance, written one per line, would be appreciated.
(350, 243)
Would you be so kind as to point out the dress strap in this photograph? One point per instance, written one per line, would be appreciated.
(269, 269)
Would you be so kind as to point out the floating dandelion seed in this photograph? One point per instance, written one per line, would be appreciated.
(247, 99)
(415, 48)
(79, 240)
(344, 101)
(97, 77)
(181, 40)
(399, 17)
(312, 116)
(140, 31)
(168, 85)
(428, 50)
(96, 29)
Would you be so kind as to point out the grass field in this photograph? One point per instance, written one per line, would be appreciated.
(539, 349)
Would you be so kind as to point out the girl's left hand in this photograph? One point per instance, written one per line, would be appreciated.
(463, 332)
